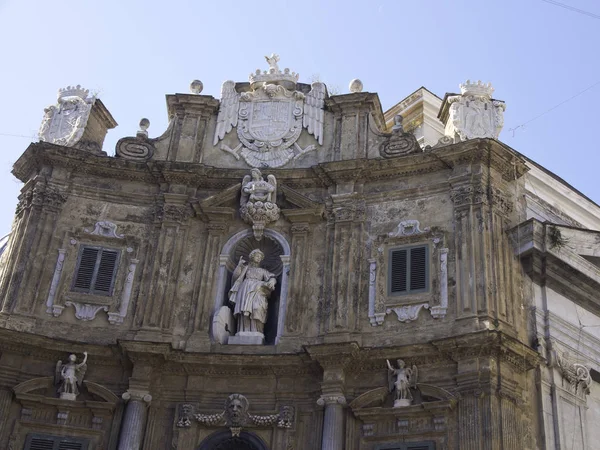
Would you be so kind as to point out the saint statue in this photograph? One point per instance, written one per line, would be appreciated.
(405, 379)
(69, 376)
(252, 286)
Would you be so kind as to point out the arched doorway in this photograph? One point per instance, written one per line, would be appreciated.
(223, 440)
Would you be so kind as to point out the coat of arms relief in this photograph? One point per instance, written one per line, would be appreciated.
(270, 117)
(64, 123)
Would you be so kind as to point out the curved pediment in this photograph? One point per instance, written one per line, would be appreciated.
(40, 386)
(427, 394)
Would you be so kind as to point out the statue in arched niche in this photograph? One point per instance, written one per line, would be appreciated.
(250, 291)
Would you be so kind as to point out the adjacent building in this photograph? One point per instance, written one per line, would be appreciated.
(285, 269)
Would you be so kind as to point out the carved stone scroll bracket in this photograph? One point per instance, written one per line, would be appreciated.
(106, 229)
(409, 228)
(399, 143)
(85, 311)
(408, 313)
(117, 317)
(439, 311)
(138, 148)
(575, 375)
(50, 307)
(374, 318)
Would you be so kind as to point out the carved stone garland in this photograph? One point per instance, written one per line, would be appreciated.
(236, 416)
(379, 302)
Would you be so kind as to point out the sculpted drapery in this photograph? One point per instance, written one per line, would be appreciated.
(251, 288)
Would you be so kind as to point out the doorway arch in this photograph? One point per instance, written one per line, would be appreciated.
(223, 440)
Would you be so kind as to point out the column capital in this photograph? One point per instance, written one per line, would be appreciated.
(326, 400)
(133, 394)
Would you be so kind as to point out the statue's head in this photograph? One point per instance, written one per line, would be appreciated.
(72, 358)
(256, 175)
(236, 409)
(401, 363)
(256, 255)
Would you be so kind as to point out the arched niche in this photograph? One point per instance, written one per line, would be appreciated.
(277, 260)
(223, 440)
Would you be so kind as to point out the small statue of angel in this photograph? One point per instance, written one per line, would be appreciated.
(405, 379)
(256, 189)
(69, 376)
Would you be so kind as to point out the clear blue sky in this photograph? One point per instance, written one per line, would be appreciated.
(132, 53)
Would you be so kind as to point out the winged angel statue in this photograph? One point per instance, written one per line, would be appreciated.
(270, 117)
(69, 376)
(405, 378)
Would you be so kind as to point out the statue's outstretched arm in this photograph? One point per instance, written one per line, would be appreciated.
(84, 360)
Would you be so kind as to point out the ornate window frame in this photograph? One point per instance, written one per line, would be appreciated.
(87, 305)
(407, 306)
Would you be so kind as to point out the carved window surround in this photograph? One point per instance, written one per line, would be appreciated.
(407, 307)
(87, 306)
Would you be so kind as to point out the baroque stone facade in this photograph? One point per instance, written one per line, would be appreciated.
(326, 277)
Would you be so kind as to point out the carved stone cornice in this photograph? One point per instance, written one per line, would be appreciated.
(41, 195)
(558, 266)
(46, 348)
(333, 355)
(486, 151)
(305, 211)
(490, 343)
(355, 102)
(180, 105)
(346, 208)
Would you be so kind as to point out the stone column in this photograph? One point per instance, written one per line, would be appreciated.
(5, 402)
(134, 420)
(333, 421)
(334, 359)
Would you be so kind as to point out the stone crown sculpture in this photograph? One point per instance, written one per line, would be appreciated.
(274, 75)
(73, 91)
(478, 89)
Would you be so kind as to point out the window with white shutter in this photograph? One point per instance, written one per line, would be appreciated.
(45, 442)
(96, 270)
(408, 270)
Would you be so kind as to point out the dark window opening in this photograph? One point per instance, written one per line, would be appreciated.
(96, 270)
(408, 446)
(45, 442)
(408, 270)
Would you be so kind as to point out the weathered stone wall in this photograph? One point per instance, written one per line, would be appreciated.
(172, 217)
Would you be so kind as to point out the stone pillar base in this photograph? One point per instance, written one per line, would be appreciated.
(247, 338)
(68, 396)
(402, 402)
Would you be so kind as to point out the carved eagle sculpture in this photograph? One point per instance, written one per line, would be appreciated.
(312, 115)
